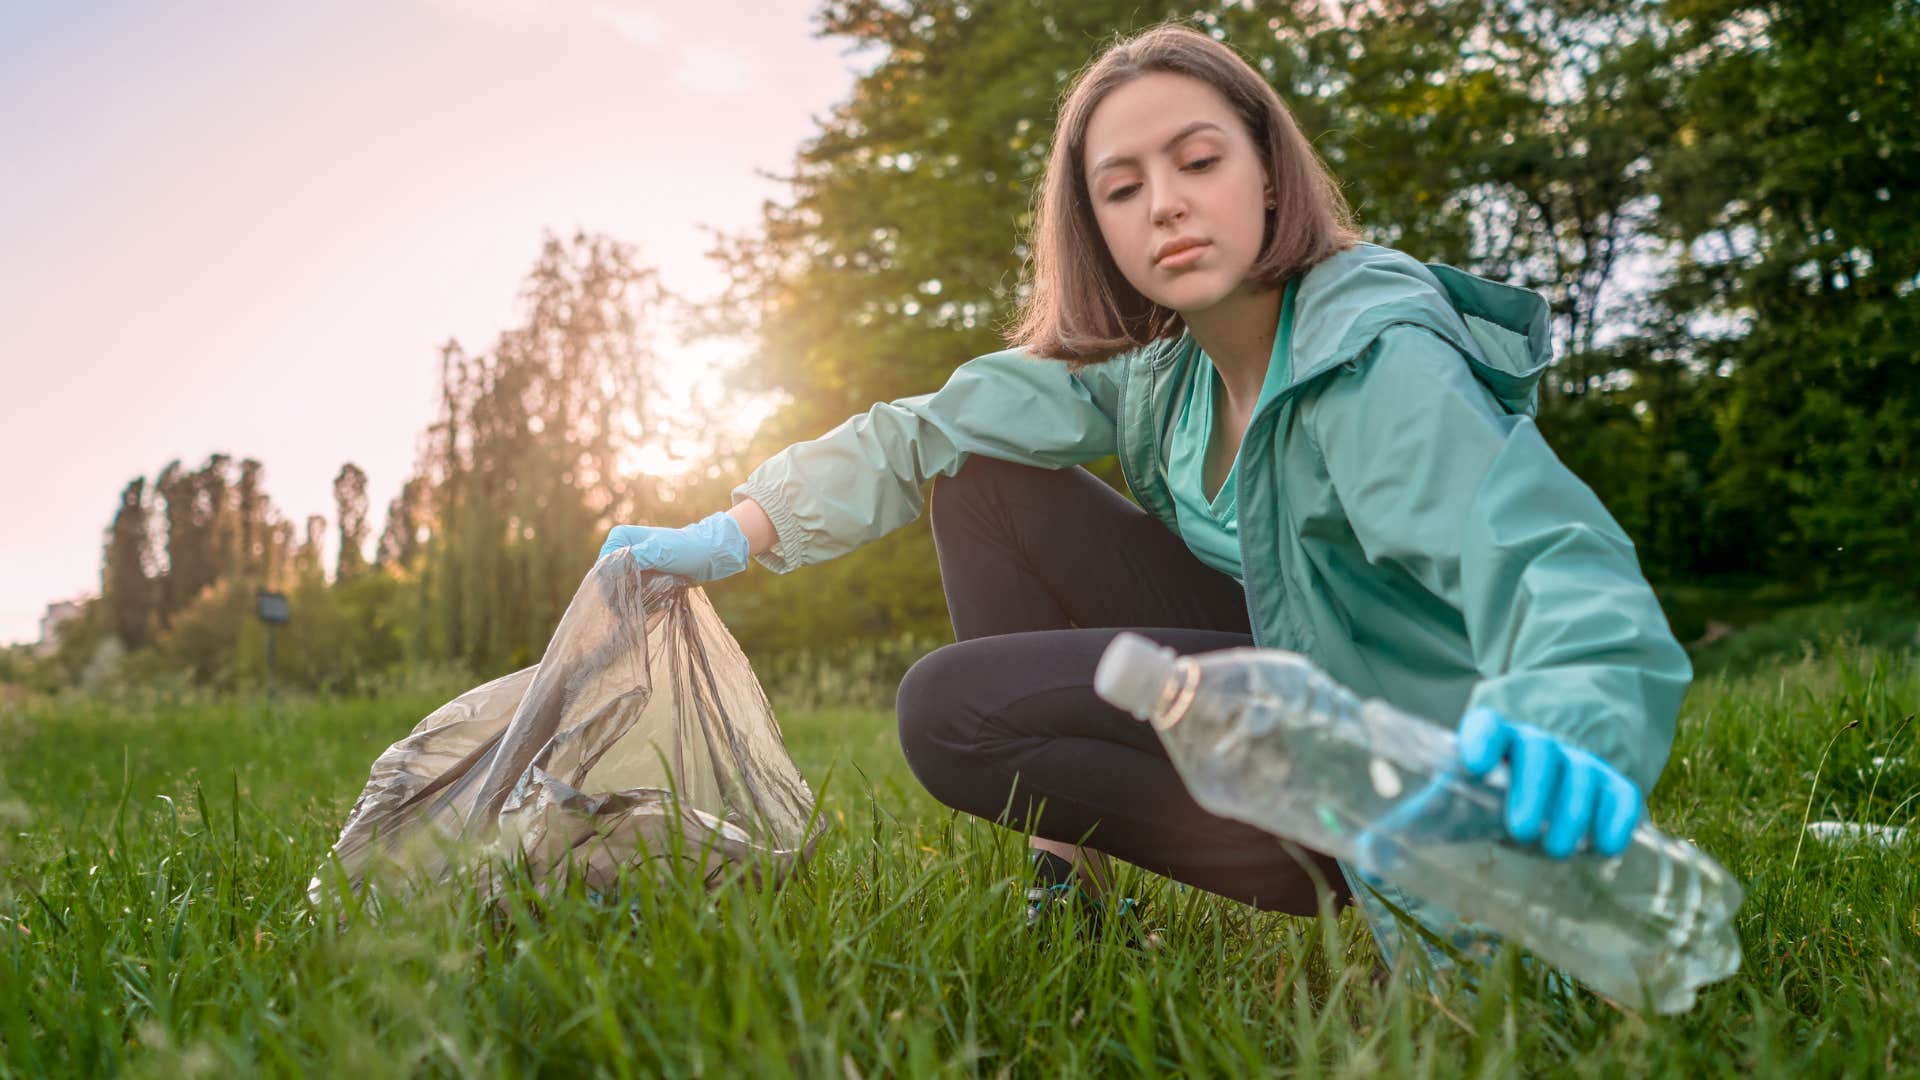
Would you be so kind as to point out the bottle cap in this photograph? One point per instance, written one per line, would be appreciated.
(1132, 672)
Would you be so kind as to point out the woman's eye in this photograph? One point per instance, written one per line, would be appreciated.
(1120, 194)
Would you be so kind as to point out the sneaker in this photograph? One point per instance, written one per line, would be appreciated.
(1053, 884)
(1056, 889)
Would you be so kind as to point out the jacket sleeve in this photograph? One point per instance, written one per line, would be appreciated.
(863, 479)
(1438, 480)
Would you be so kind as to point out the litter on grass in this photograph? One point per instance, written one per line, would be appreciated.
(641, 734)
(1852, 832)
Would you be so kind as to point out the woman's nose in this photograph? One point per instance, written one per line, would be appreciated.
(1168, 203)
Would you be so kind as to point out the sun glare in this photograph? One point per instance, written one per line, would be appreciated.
(655, 460)
(698, 413)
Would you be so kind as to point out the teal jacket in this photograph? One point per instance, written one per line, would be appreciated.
(1402, 522)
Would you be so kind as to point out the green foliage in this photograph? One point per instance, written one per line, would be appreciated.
(22, 673)
(202, 643)
(339, 637)
(1791, 185)
(1808, 632)
(85, 655)
(855, 675)
(155, 850)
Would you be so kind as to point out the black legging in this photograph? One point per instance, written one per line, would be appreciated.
(1041, 569)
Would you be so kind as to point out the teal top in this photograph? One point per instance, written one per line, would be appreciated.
(1210, 527)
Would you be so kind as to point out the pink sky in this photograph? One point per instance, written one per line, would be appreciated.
(246, 228)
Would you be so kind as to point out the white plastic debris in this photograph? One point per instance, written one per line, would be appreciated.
(1853, 832)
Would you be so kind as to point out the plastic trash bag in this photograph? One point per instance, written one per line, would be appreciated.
(642, 720)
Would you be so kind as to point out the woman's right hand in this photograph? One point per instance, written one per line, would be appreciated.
(709, 549)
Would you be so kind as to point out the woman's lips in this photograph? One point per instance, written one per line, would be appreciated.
(1183, 257)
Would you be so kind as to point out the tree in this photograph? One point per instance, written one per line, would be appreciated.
(126, 583)
(523, 470)
(185, 546)
(252, 510)
(309, 559)
(202, 530)
(1791, 189)
(281, 553)
(214, 511)
(409, 516)
(350, 510)
(1512, 139)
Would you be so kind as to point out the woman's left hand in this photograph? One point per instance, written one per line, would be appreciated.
(1557, 793)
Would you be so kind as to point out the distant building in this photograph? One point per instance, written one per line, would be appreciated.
(59, 614)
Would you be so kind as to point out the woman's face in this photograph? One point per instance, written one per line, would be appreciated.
(1169, 162)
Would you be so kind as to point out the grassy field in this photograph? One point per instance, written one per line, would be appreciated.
(154, 854)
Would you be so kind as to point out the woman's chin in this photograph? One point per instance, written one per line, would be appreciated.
(1193, 294)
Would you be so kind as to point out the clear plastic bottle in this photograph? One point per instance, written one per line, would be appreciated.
(1264, 736)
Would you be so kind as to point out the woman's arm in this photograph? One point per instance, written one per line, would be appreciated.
(824, 497)
(1439, 480)
(755, 523)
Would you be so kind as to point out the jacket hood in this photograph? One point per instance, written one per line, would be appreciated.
(1346, 301)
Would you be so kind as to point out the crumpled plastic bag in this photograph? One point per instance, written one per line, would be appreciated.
(643, 720)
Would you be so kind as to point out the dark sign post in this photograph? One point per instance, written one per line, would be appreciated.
(273, 610)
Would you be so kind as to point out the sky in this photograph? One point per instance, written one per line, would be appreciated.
(247, 227)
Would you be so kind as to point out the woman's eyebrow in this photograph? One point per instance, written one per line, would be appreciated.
(1114, 161)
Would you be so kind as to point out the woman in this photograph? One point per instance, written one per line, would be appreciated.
(1332, 453)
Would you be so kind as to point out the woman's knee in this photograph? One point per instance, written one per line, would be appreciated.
(935, 733)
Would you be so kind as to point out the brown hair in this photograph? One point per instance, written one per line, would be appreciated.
(1081, 308)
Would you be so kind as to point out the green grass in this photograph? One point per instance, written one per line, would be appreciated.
(154, 853)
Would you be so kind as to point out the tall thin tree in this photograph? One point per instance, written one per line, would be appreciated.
(126, 582)
(350, 510)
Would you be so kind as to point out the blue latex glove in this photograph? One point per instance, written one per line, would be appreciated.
(707, 550)
(1557, 793)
